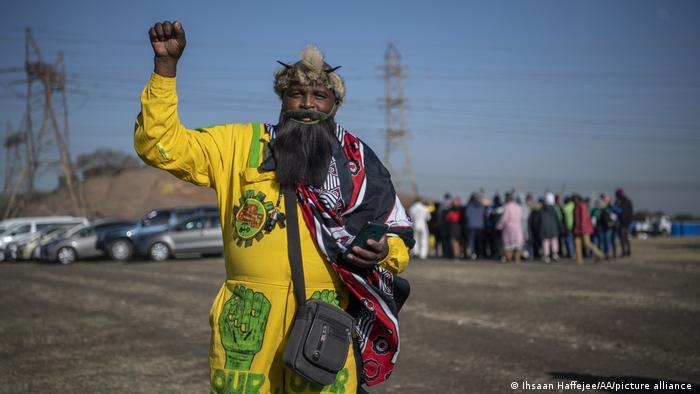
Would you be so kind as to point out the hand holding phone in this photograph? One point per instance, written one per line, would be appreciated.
(369, 246)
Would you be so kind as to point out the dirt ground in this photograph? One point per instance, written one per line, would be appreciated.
(468, 327)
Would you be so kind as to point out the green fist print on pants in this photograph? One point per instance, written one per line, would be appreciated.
(242, 327)
(327, 296)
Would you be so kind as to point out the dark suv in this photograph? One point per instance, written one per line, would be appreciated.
(119, 243)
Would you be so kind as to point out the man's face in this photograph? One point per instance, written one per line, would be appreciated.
(303, 147)
(313, 97)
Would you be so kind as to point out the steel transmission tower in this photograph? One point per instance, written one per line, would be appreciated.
(51, 137)
(397, 140)
(13, 157)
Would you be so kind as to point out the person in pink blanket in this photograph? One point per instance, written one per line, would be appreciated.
(512, 231)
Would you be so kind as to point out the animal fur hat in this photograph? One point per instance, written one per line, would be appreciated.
(310, 70)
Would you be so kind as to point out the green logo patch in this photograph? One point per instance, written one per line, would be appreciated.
(250, 217)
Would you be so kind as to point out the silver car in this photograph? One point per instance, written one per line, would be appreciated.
(77, 243)
(196, 235)
(18, 231)
(31, 248)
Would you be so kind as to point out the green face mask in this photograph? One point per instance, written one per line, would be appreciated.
(298, 114)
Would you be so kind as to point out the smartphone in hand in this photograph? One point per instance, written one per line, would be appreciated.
(371, 230)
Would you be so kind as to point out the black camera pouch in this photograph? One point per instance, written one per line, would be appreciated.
(318, 345)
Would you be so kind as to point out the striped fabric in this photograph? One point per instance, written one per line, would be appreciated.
(358, 189)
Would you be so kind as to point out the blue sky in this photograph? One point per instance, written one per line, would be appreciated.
(578, 96)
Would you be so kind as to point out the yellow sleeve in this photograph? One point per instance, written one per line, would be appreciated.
(163, 142)
(397, 258)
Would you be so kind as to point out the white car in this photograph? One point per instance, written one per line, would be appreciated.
(653, 225)
(12, 222)
(16, 231)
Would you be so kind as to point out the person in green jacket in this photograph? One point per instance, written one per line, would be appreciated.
(568, 211)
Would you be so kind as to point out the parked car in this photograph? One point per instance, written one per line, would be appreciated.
(20, 230)
(196, 235)
(12, 222)
(31, 247)
(654, 225)
(78, 243)
(119, 243)
(14, 248)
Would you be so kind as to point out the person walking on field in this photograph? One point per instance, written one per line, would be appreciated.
(525, 208)
(454, 220)
(625, 214)
(568, 211)
(336, 185)
(550, 228)
(493, 234)
(474, 217)
(421, 215)
(510, 224)
(434, 229)
(605, 226)
(444, 226)
(583, 228)
(533, 226)
(559, 207)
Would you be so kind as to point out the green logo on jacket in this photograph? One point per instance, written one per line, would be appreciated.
(250, 217)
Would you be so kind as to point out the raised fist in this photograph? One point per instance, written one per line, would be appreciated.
(327, 296)
(242, 326)
(167, 40)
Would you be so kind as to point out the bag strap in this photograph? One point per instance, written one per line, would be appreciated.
(294, 246)
(297, 268)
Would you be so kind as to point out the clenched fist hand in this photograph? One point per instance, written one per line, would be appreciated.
(242, 326)
(168, 42)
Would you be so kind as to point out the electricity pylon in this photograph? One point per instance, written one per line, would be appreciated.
(44, 82)
(397, 138)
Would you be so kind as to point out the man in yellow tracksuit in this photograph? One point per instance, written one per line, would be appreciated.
(253, 311)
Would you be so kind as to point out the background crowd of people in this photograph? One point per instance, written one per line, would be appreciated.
(524, 227)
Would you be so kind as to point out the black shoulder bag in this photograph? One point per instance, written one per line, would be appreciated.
(318, 345)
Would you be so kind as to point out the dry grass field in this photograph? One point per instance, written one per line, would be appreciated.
(468, 327)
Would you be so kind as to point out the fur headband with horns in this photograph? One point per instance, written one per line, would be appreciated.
(311, 69)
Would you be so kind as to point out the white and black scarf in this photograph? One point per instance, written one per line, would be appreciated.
(358, 189)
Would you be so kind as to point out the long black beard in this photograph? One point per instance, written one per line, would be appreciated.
(303, 152)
